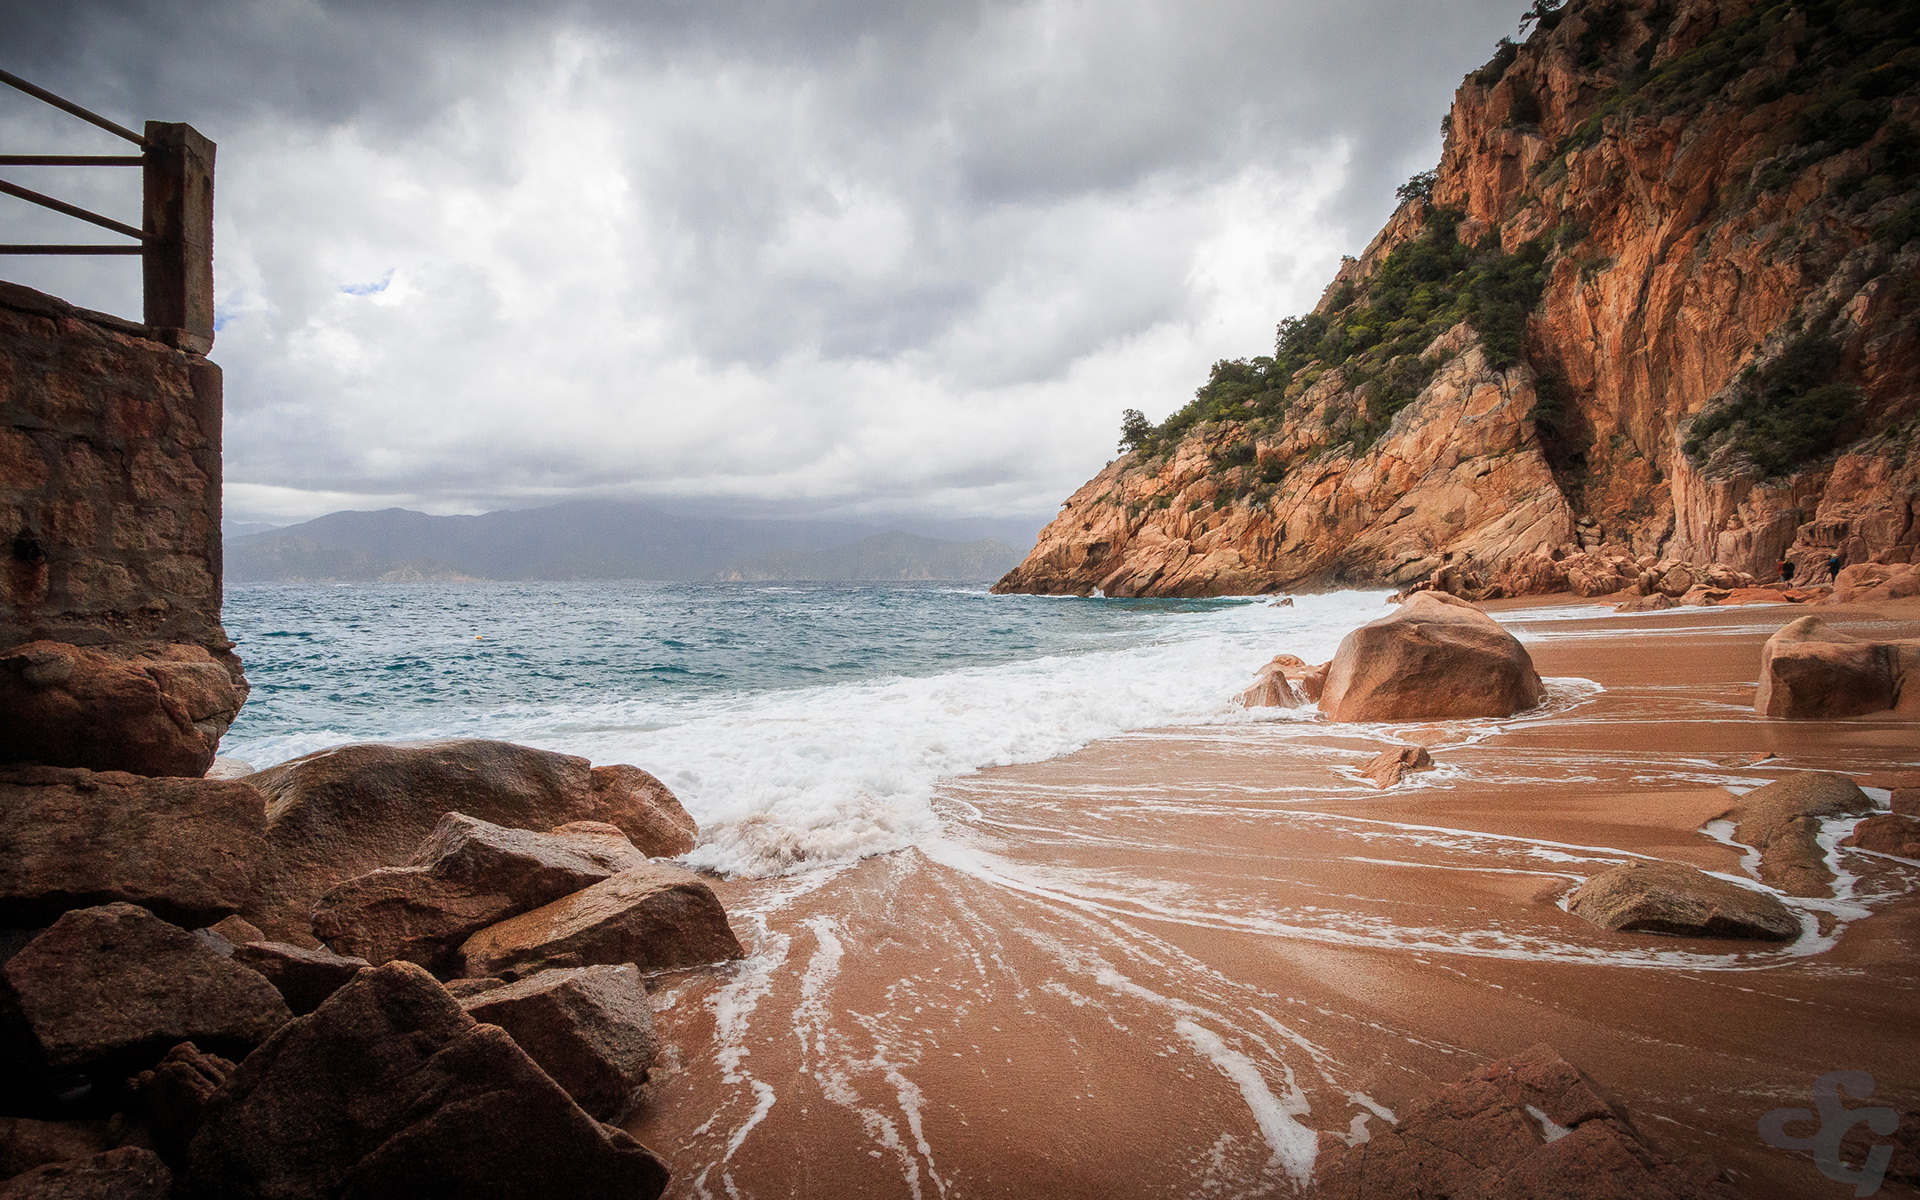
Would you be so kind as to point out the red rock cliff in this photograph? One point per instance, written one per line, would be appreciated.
(1659, 296)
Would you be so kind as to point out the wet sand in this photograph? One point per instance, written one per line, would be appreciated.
(1177, 963)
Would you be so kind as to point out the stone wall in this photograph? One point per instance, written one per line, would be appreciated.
(109, 482)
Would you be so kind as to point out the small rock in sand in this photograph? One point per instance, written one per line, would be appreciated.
(1272, 688)
(1389, 766)
(1888, 833)
(1782, 821)
(1672, 898)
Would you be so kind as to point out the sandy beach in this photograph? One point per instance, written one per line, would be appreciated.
(1182, 963)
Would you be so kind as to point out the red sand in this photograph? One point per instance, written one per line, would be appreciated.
(1165, 965)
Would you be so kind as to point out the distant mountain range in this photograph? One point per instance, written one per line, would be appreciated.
(884, 557)
(597, 539)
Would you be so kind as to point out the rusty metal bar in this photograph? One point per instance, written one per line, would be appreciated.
(40, 249)
(40, 93)
(71, 160)
(61, 206)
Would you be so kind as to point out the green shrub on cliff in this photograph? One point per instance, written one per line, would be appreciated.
(1784, 413)
(1376, 334)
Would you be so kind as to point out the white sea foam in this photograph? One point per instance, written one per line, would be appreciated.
(792, 779)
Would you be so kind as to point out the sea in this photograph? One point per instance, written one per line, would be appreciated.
(799, 724)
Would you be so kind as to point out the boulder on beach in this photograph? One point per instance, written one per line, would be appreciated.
(1870, 581)
(73, 838)
(158, 711)
(1272, 686)
(654, 819)
(1651, 602)
(1810, 669)
(1888, 833)
(1389, 766)
(171, 1099)
(127, 1173)
(110, 989)
(1672, 898)
(304, 977)
(656, 916)
(1782, 822)
(467, 874)
(343, 812)
(390, 1089)
(1531, 1125)
(1436, 657)
(589, 1028)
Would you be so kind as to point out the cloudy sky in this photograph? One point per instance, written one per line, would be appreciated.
(838, 256)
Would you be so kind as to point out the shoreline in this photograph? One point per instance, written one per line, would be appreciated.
(1176, 961)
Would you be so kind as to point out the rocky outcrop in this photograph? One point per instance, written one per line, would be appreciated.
(1810, 669)
(69, 838)
(108, 990)
(1864, 583)
(343, 812)
(171, 1099)
(389, 1089)
(149, 710)
(467, 875)
(589, 1028)
(655, 916)
(1703, 349)
(1672, 898)
(128, 1173)
(1531, 1125)
(1783, 820)
(653, 818)
(1436, 657)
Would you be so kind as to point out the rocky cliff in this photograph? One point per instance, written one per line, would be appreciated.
(1659, 299)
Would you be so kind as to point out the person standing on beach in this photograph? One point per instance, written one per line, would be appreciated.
(1834, 562)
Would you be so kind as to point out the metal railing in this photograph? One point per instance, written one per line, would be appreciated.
(175, 238)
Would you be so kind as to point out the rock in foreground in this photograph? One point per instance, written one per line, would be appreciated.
(1527, 1126)
(73, 838)
(1435, 658)
(467, 875)
(353, 809)
(129, 1173)
(655, 916)
(1810, 669)
(1672, 898)
(110, 989)
(389, 1089)
(590, 1028)
(156, 712)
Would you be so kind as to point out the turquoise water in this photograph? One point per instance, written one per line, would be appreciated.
(797, 722)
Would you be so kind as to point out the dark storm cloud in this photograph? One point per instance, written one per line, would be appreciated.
(850, 254)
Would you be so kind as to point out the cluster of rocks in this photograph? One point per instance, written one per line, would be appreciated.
(412, 970)
(1653, 581)
(1438, 657)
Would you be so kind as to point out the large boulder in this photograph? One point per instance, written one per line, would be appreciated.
(304, 977)
(129, 1173)
(1435, 658)
(73, 838)
(389, 1089)
(1783, 820)
(1527, 1126)
(1887, 833)
(655, 820)
(1667, 897)
(1810, 669)
(106, 991)
(343, 812)
(157, 710)
(590, 1028)
(468, 874)
(656, 916)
